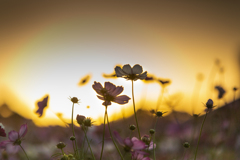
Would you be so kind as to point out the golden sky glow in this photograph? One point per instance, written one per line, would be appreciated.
(47, 47)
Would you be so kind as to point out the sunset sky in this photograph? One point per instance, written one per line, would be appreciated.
(46, 47)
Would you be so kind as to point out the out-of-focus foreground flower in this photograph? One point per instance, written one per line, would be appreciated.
(131, 73)
(110, 93)
(41, 105)
(2, 131)
(15, 139)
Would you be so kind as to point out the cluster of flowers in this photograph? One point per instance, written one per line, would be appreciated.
(137, 146)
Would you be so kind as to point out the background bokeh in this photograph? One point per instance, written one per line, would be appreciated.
(47, 47)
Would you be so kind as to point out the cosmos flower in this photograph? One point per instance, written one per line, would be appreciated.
(15, 138)
(130, 144)
(2, 130)
(131, 73)
(41, 105)
(110, 93)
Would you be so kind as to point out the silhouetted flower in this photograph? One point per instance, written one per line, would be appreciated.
(130, 73)
(110, 93)
(130, 144)
(15, 138)
(209, 105)
(74, 99)
(139, 155)
(221, 91)
(41, 105)
(2, 130)
(80, 119)
(235, 89)
(164, 82)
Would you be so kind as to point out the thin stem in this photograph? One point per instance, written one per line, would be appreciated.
(88, 143)
(62, 152)
(24, 151)
(73, 132)
(103, 132)
(113, 139)
(135, 114)
(200, 135)
(154, 156)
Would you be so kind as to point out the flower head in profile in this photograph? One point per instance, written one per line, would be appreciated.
(221, 91)
(15, 138)
(41, 105)
(2, 130)
(130, 144)
(131, 73)
(110, 93)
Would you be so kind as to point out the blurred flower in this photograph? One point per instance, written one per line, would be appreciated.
(209, 105)
(130, 73)
(186, 145)
(221, 91)
(41, 105)
(130, 144)
(149, 79)
(164, 82)
(84, 80)
(110, 93)
(80, 119)
(15, 138)
(235, 89)
(147, 140)
(139, 155)
(111, 75)
(61, 145)
(2, 130)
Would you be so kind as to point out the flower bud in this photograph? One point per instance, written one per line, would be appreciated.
(209, 103)
(87, 122)
(74, 99)
(186, 145)
(72, 138)
(132, 127)
(159, 114)
(61, 145)
(151, 131)
(80, 119)
(146, 139)
(65, 157)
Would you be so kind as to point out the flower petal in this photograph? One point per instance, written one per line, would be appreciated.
(97, 87)
(109, 87)
(127, 69)
(23, 130)
(13, 136)
(121, 99)
(143, 75)
(4, 143)
(138, 145)
(119, 72)
(100, 97)
(137, 69)
(118, 138)
(151, 146)
(128, 142)
(117, 91)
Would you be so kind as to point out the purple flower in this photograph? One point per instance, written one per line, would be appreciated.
(41, 105)
(131, 73)
(2, 130)
(139, 155)
(15, 138)
(110, 93)
(130, 144)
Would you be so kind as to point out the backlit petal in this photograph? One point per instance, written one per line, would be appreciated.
(117, 91)
(143, 75)
(127, 69)
(13, 136)
(128, 142)
(137, 69)
(109, 86)
(4, 143)
(97, 87)
(23, 130)
(138, 145)
(119, 72)
(122, 99)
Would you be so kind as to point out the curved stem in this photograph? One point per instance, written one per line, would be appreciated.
(113, 139)
(200, 135)
(24, 151)
(135, 114)
(103, 132)
(88, 143)
(73, 132)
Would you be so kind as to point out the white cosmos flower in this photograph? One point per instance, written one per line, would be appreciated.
(131, 73)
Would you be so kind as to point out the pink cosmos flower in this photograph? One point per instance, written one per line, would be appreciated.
(139, 155)
(110, 93)
(130, 144)
(15, 139)
(41, 105)
(2, 131)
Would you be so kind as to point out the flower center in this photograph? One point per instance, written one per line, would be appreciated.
(17, 142)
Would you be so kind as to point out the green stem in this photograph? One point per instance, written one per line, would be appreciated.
(24, 151)
(200, 135)
(62, 152)
(135, 114)
(88, 143)
(103, 132)
(74, 133)
(113, 139)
